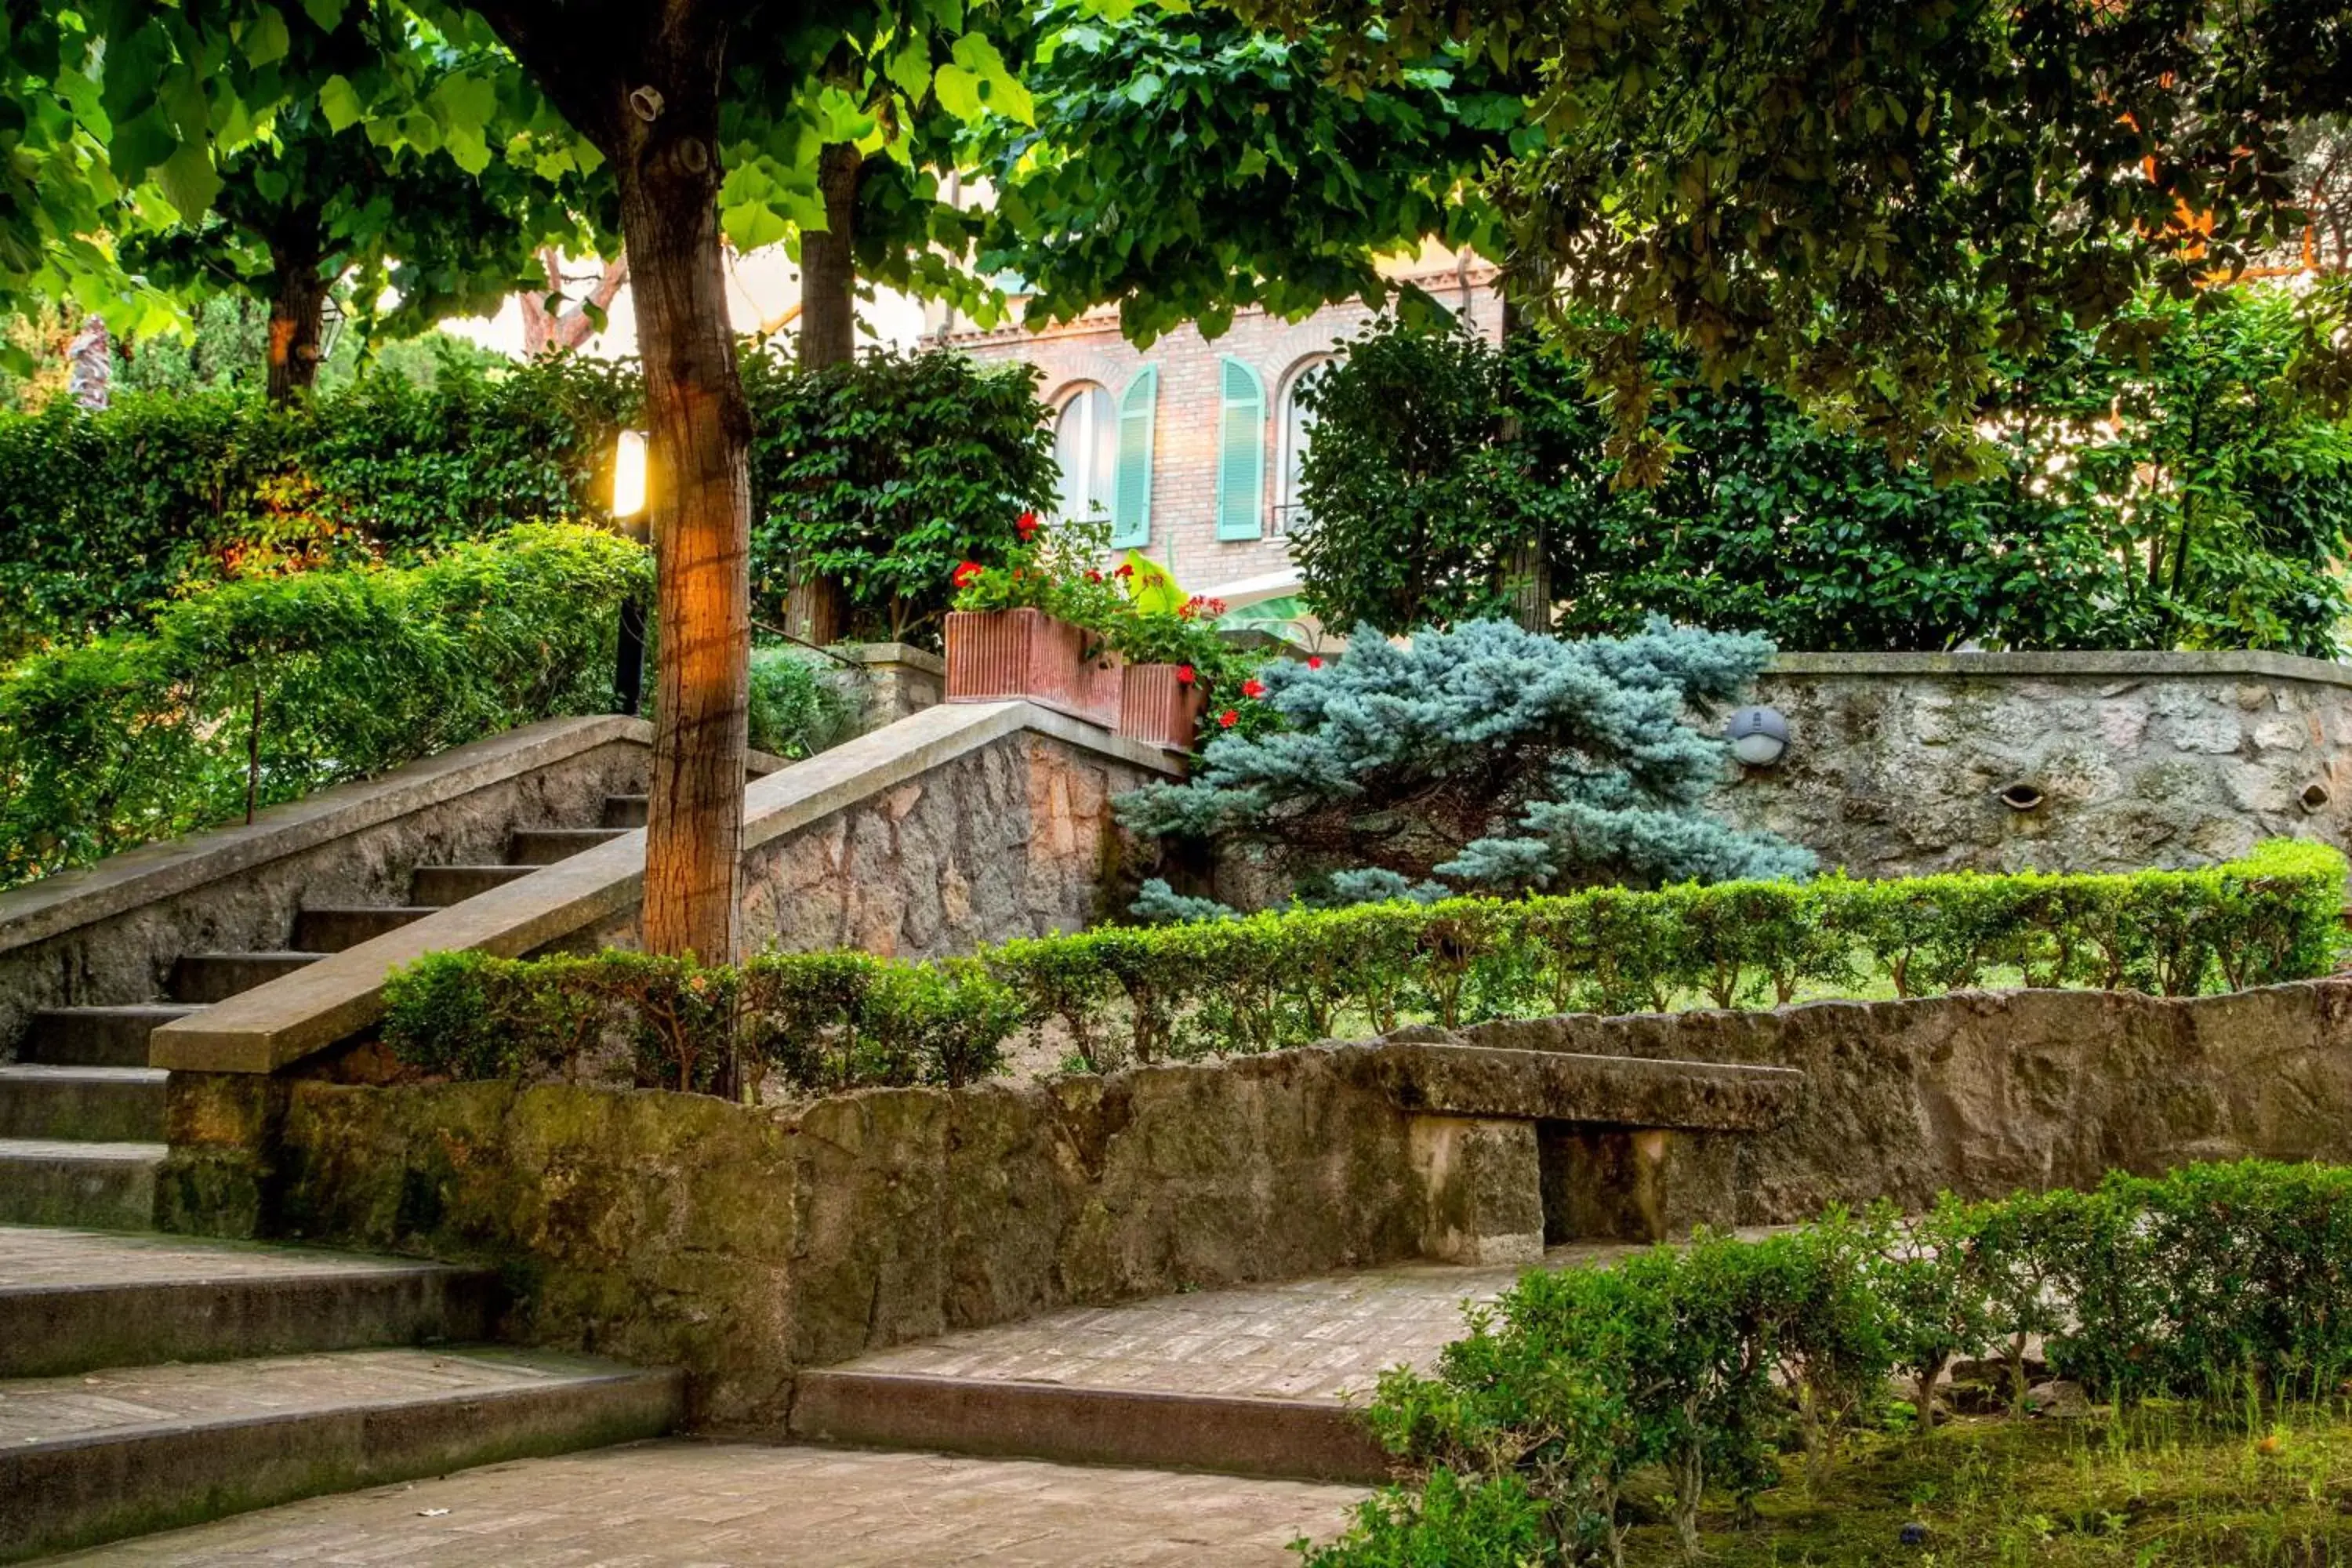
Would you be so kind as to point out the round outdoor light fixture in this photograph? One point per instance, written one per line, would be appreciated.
(1758, 735)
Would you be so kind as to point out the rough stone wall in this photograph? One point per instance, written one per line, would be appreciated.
(1985, 1093)
(128, 957)
(1014, 839)
(675, 1229)
(743, 1243)
(1897, 763)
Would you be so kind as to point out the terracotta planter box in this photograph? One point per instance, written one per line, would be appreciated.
(1157, 709)
(1001, 656)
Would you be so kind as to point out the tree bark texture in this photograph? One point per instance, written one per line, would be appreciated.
(816, 610)
(645, 89)
(297, 308)
(550, 332)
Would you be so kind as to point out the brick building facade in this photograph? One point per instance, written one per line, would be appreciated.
(1191, 447)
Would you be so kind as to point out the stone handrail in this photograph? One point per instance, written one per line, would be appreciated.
(154, 871)
(2143, 664)
(314, 1007)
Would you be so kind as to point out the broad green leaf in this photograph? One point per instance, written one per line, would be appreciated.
(265, 38)
(326, 14)
(189, 180)
(340, 102)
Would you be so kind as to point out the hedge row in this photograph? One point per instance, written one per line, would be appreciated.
(266, 688)
(2227, 1284)
(1146, 994)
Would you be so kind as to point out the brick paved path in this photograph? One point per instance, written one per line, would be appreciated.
(684, 1504)
(1323, 1337)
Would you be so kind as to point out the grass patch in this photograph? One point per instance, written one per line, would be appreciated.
(2165, 1484)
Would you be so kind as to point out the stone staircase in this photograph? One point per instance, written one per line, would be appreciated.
(151, 1381)
(81, 1113)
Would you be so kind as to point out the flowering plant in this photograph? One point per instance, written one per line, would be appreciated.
(1047, 567)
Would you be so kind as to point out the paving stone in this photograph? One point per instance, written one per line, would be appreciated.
(686, 1505)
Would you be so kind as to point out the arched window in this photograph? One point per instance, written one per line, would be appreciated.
(1297, 433)
(1085, 445)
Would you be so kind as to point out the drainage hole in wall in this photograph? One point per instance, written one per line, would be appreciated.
(2314, 795)
(2021, 797)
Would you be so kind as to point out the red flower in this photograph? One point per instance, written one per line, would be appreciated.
(1124, 571)
(1093, 575)
(1183, 675)
(1252, 688)
(1228, 719)
(1314, 661)
(1026, 526)
(966, 572)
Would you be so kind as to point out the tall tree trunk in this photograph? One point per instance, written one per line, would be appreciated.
(817, 608)
(699, 481)
(646, 90)
(297, 308)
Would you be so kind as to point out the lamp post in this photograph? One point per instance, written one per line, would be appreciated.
(629, 519)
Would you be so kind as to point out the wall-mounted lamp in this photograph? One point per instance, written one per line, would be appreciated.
(1759, 736)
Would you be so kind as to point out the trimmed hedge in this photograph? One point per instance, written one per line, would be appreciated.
(2224, 1284)
(266, 688)
(1120, 993)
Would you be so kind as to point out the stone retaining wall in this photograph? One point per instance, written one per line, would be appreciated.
(1897, 763)
(744, 1243)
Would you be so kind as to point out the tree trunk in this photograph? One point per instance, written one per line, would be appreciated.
(817, 608)
(699, 505)
(297, 307)
(546, 331)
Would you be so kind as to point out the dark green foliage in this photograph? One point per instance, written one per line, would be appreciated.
(2207, 514)
(799, 707)
(894, 469)
(889, 473)
(1144, 993)
(2217, 1283)
(269, 687)
(104, 515)
(822, 1021)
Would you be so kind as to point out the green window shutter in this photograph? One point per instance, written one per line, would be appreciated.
(1241, 453)
(1130, 493)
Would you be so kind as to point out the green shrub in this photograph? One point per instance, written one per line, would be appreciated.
(891, 471)
(798, 707)
(2162, 486)
(264, 689)
(1146, 994)
(2216, 1283)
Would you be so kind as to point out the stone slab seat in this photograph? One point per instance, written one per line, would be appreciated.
(140, 1449)
(73, 1301)
(103, 1104)
(1435, 1076)
(106, 1186)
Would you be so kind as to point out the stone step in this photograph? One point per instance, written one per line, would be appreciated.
(96, 1036)
(1299, 1439)
(103, 1105)
(333, 927)
(105, 1187)
(73, 1300)
(91, 1458)
(625, 811)
(217, 977)
(440, 886)
(546, 846)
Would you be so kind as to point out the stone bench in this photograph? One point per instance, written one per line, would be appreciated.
(1523, 1149)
